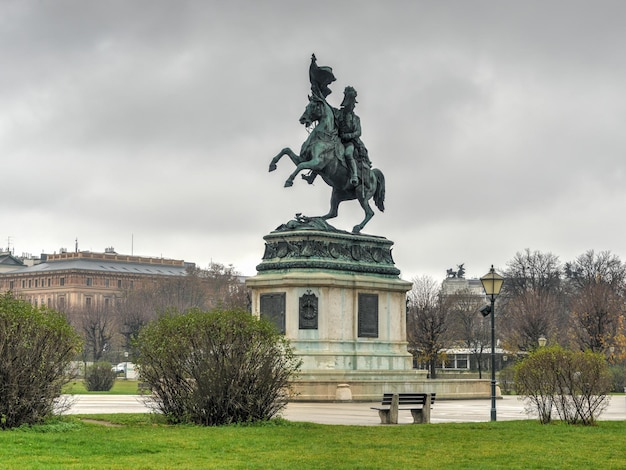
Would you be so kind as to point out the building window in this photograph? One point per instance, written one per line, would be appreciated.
(23, 283)
(462, 361)
(62, 281)
(30, 283)
(119, 283)
(11, 285)
(106, 283)
(49, 282)
(107, 303)
(89, 281)
(456, 361)
(88, 302)
(61, 302)
(36, 282)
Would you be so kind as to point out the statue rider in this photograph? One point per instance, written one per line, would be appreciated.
(349, 126)
(348, 123)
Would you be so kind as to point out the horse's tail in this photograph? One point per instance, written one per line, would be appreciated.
(379, 194)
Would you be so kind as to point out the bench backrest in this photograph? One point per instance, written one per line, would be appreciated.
(408, 398)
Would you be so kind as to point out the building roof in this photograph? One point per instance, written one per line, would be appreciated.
(9, 260)
(105, 263)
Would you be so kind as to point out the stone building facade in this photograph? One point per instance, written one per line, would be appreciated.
(85, 279)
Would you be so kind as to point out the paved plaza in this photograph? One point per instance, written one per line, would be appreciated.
(444, 411)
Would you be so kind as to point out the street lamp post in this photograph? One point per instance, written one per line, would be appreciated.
(492, 283)
(125, 365)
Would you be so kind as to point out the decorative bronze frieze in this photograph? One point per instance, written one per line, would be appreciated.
(328, 251)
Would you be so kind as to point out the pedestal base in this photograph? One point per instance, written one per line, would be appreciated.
(362, 386)
(338, 298)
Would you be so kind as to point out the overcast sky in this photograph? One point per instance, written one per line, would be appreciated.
(149, 126)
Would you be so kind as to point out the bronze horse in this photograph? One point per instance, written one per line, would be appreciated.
(322, 152)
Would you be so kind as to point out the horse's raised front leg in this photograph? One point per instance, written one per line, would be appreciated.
(312, 164)
(295, 158)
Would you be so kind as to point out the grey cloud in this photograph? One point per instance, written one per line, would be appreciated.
(159, 119)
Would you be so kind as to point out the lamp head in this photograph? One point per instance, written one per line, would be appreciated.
(492, 282)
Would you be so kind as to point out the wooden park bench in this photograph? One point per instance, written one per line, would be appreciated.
(418, 403)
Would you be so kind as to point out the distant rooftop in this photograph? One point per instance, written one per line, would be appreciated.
(106, 262)
(109, 256)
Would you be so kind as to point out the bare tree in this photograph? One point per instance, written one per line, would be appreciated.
(529, 316)
(98, 326)
(535, 271)
(225, 285)
(180, 293)
(427, 321)
(217, 286)
(467, 324)
(598, 298)
(142, 305)
(202, 289)
(589, 268)
(134, 312)
(533, 303)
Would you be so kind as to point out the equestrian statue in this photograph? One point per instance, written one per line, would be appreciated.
(334, 150)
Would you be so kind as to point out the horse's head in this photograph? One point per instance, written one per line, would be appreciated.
(313, 112)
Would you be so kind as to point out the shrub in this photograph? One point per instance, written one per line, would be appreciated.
(37, 346)
(99, 377)
(575, 384)
(618, 372)
(217, 367)
(506, 379)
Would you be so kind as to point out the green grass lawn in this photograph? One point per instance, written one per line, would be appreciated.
(120, 387)
(143, 441)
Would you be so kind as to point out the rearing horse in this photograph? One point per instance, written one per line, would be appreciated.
(323, 153)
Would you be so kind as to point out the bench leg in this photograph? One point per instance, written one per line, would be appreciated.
(426, 409)
(393, 409)
(390, 416)
(418, 415)
(422, 415)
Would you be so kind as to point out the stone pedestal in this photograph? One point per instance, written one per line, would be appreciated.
(338, 299)
(337, 321)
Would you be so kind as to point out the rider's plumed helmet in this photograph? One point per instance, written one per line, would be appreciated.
(349, 96)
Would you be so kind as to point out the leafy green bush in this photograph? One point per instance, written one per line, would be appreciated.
(36, 347)
(574, 384)
(216, 367)
(99, 377)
